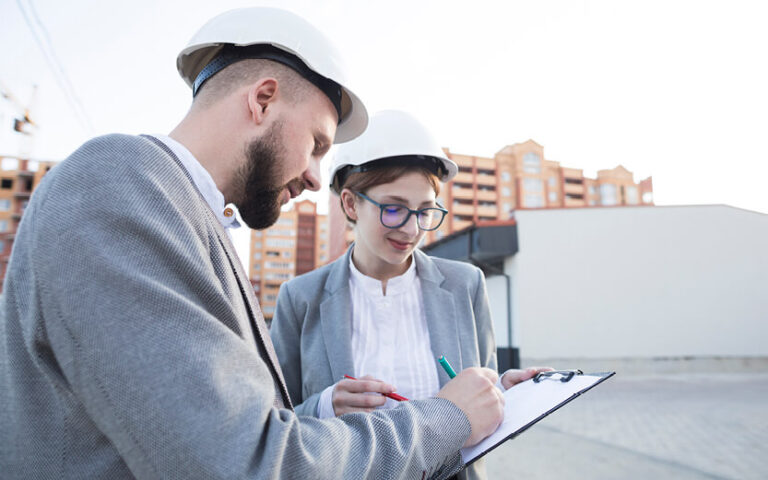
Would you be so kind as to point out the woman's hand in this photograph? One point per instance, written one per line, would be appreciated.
(513, 377)
(356, 395)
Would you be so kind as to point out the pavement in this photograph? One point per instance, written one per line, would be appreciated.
(641, 426)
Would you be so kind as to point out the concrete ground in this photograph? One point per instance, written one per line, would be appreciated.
(641, 426)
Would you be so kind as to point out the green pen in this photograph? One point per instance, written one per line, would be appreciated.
(447, 366)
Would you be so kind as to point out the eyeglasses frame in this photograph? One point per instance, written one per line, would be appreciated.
(382, 206)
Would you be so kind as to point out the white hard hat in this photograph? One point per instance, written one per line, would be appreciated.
(393, 137)
(278, 35)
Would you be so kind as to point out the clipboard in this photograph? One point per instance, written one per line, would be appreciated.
(528, 402)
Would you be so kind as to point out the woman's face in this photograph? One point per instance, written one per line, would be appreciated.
(378, 244)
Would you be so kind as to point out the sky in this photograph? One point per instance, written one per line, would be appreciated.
(672, 89)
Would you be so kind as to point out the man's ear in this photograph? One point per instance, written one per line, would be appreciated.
(261, 97)
(348, 203)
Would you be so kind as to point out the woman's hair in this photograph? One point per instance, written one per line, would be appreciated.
(362, 181)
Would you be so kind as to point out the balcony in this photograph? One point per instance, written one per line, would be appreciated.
(463, 177)
(487, 195)
(463, 209)
(574, 202)
(488, 211)
(463, 193)
(24, 195)
(573, 188)
(486, 180)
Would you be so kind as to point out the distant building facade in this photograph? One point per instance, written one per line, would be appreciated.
(297, 243)
(18, 179)
(518, 177)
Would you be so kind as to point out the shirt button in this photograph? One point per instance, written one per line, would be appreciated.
(228, 212)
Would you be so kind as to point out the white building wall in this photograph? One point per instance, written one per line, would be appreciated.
(638, 282)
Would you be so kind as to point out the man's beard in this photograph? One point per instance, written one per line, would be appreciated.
(256, 183)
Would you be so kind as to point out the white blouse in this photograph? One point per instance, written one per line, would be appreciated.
(390, 338)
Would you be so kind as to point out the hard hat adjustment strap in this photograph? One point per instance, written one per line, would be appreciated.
(230, 54)
(432, 164)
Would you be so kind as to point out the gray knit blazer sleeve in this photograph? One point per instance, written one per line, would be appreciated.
(130, 301)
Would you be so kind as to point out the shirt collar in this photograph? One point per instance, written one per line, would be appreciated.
(372, 286)
(226, 214)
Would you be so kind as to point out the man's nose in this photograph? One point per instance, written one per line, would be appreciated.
(312, 176)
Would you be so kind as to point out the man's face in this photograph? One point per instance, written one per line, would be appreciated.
(285, 160)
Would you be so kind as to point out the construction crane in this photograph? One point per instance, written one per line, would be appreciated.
(22, 121)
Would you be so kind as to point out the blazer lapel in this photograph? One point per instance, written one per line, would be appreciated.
(258, 325)
(257, 318)
(441, 318)
(336, 319)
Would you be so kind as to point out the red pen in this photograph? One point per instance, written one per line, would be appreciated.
(393, 396)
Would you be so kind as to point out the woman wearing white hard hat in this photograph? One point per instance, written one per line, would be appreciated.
(385, 311)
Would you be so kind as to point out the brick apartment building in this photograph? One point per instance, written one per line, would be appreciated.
(296, 244)
(18, 178)
(517, 177)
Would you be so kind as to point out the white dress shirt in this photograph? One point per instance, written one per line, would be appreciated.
(390, 338)
(227, 214)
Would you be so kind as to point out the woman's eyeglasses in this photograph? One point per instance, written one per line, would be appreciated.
(393, 215)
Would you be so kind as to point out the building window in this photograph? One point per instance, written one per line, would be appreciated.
(2, 246)
(257, 266)
(552, 182)
(532, 184)
(280, 242)
(9, 164)
(608, 194)
(591, 189)
(286, 254)
(257, 256)
(279, 265)
(552, 196)
(534, 201)
(506, 176)
(648, 197)
(505, 191)
(5, 205)
(631, 195)
(277, 276)
(6, 184)
(531, 163)
(256, 233)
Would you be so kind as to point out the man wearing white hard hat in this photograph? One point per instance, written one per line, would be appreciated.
(131, 345)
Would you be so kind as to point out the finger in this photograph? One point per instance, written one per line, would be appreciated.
(359, 400)
(491, 375)
(361, 386)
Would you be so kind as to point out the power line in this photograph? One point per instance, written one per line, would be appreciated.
(59, 73)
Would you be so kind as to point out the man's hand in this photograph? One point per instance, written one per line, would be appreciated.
(355, 395)
(511, 377)
(474, 392)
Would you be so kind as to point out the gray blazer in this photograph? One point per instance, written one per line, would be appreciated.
(131, 345)
(312, 326)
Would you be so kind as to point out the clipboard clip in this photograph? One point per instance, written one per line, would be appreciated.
(565, 375)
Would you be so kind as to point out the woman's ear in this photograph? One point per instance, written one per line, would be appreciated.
(349, 204)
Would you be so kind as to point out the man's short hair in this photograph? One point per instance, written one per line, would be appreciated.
(292, 85)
